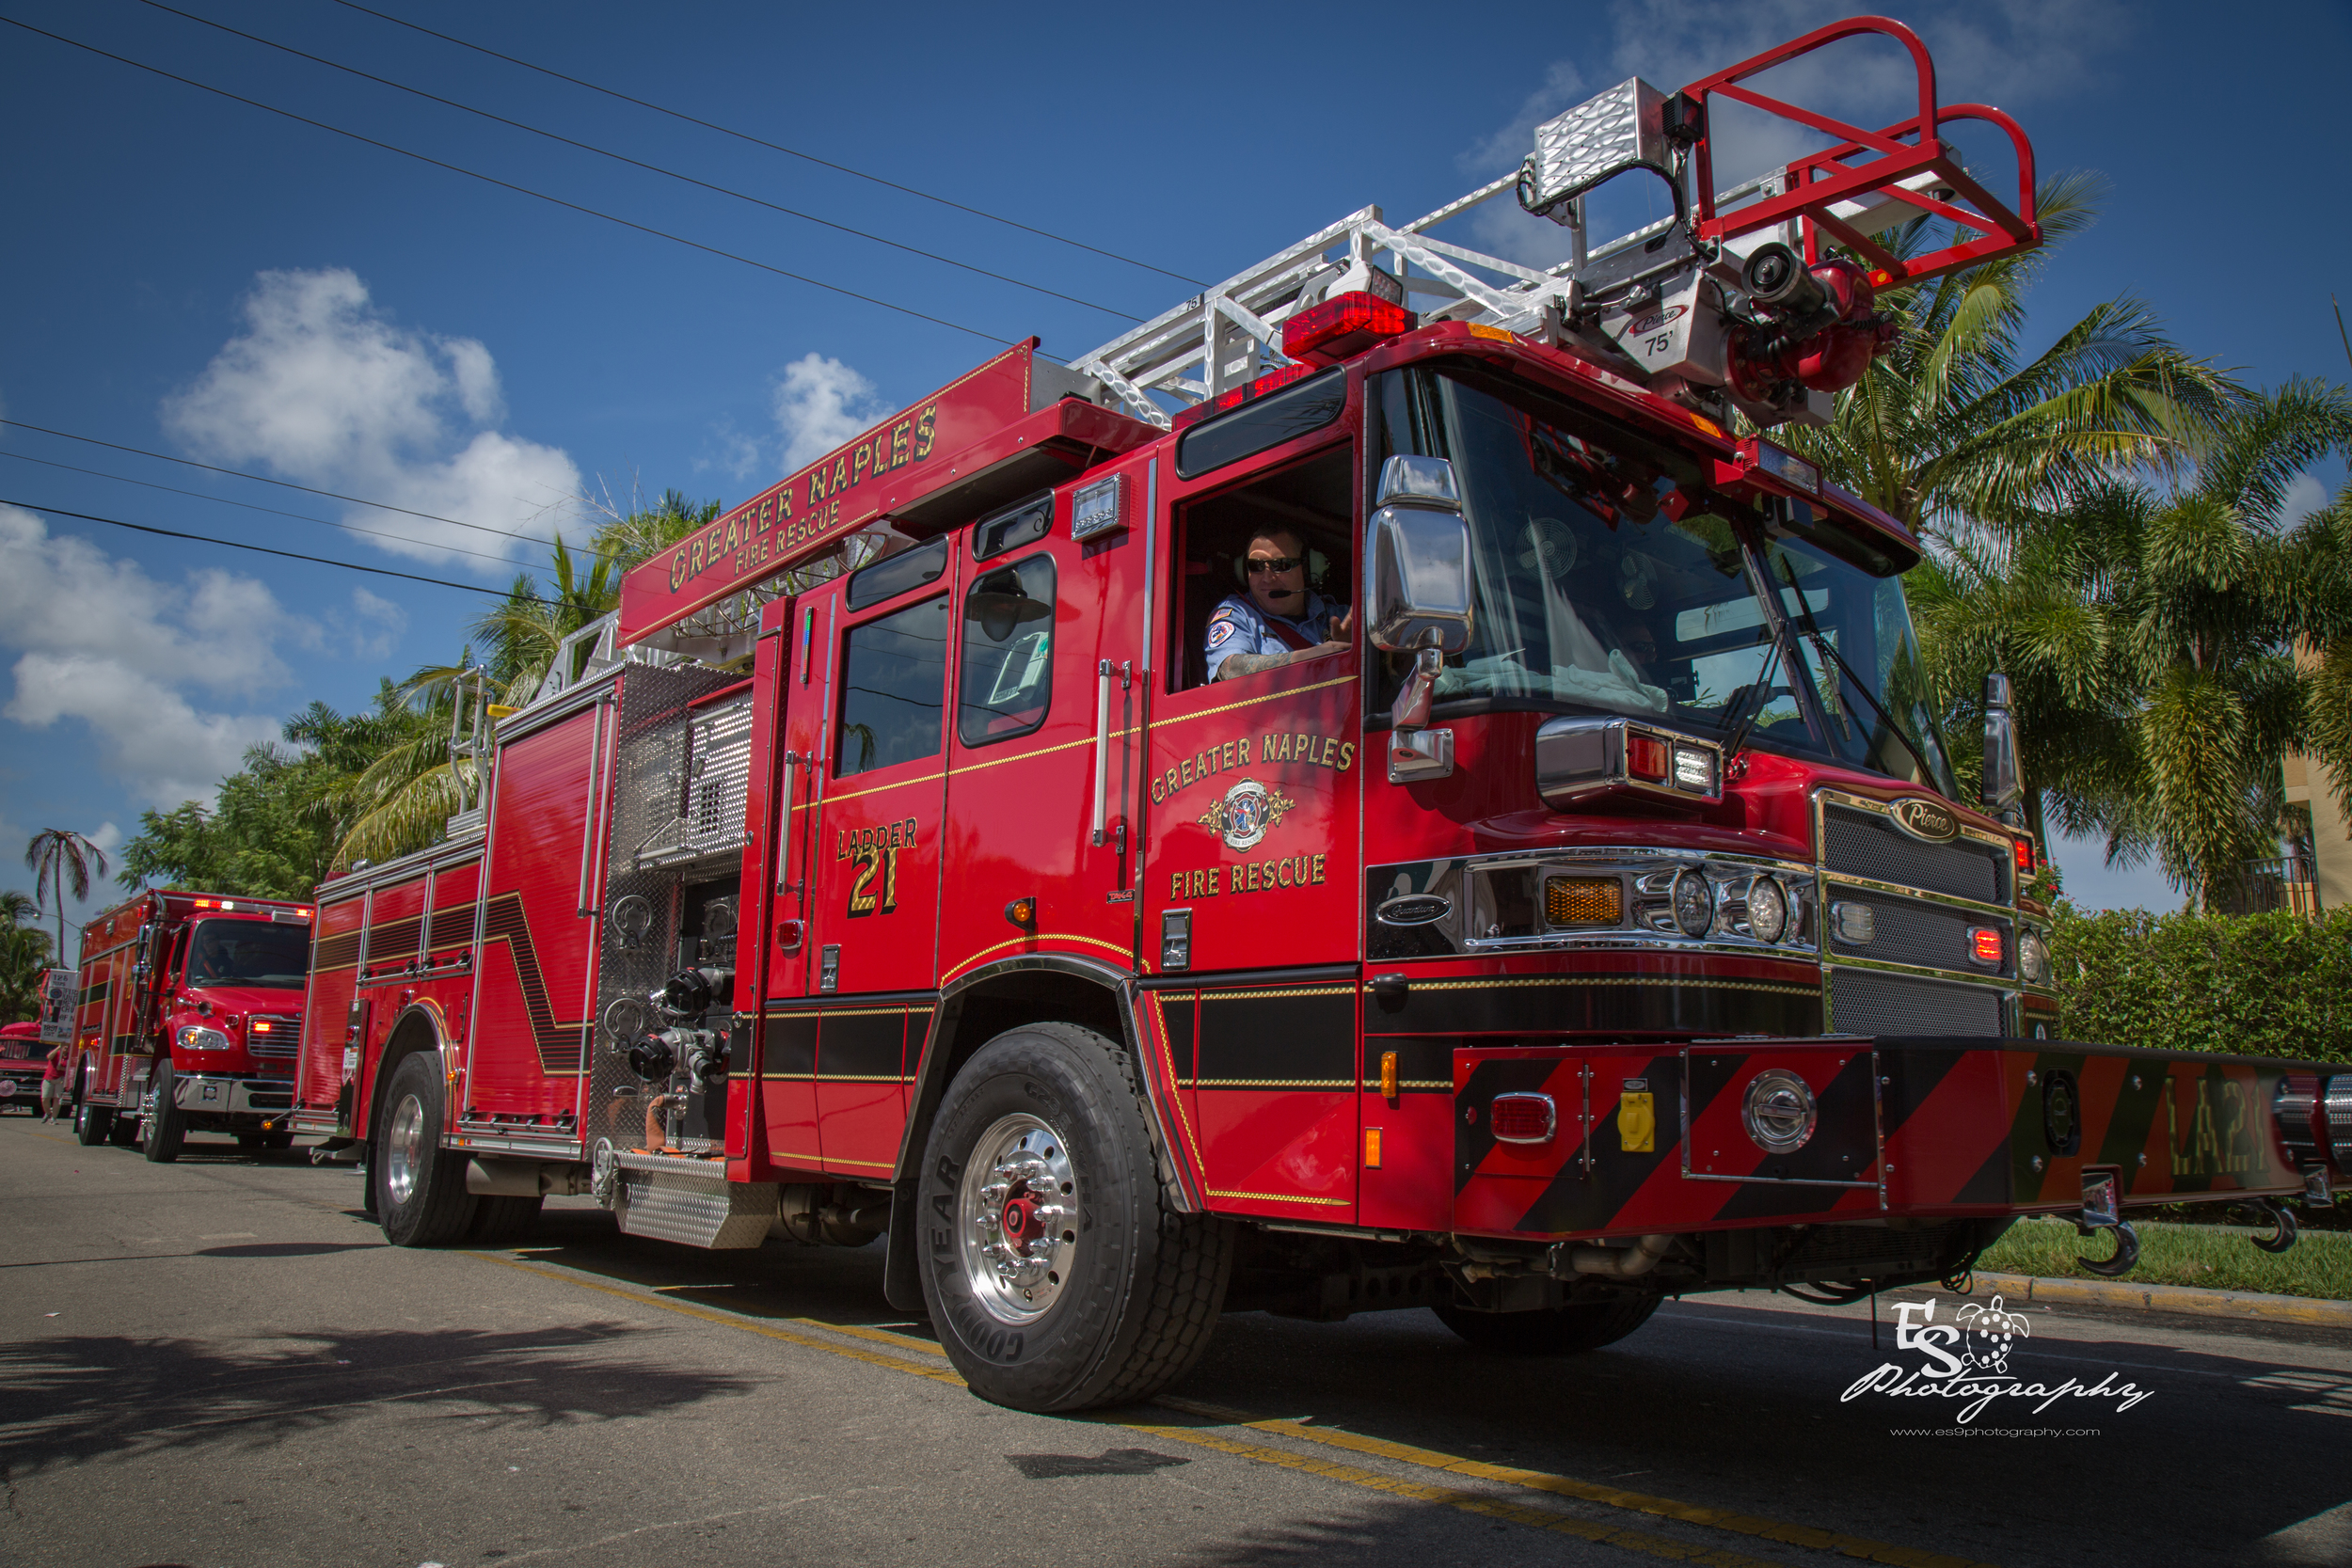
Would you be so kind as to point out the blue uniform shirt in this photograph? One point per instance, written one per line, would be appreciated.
(1237, 625)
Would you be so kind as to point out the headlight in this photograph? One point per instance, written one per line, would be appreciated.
(2033, 959)
(1695, 904)
(192, 1038)
(1767, 910)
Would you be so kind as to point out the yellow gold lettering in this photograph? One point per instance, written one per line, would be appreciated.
(925, 423)
(1244, 744)
(841, 473)
(899, 434)
(1318, 871)
(864, 458)
(1347, 754)
(678, 571)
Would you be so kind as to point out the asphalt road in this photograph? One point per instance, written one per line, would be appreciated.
(219, 1364)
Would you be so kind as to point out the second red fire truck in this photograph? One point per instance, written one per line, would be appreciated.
(1589, 918)
(189, 1017)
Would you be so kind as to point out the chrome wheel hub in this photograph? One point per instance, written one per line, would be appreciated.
(1018, 1213)
(404, 1150)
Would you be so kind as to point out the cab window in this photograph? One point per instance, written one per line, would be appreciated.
(894, 677)
(1313, 501)
(1008, 665)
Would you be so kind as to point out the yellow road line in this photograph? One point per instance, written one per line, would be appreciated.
(724, 1320)
(1471, 1502)
(1541, 1480)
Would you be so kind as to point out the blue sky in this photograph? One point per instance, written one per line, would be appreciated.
(195, 277)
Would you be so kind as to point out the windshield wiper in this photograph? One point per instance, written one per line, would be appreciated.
(1763, 691)
(1820, 640)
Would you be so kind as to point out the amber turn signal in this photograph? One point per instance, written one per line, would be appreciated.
(1023, 913)
(1583, 900)
(1388, 1074)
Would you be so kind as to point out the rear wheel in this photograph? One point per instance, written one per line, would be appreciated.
(163, 1130)
(1559, 1331)
(1057, 1274)
(93, 1123)
(421, 1194)
(503, 1221)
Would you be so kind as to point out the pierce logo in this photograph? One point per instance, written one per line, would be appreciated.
(1925, 819)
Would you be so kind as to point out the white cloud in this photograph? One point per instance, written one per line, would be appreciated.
(98, 640)
(2304, 496)
(323, 388)
(821, 403)
(2007, 53)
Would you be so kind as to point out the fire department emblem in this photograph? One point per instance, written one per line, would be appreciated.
(1248, 809)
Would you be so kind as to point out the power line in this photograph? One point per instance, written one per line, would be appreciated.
(264, 479)
(258, 549)
(773, 146)
(634, 162)
(224, 500)
(505, 184)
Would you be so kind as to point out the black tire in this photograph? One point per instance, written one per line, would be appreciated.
(503, 1221)
(163, 1133)
(93, 1123)
(1144, 1283)
(420, 1196)
(1559, 1331)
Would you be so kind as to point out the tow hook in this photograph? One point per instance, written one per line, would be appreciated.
(2283, 1233)
(2126, 1252)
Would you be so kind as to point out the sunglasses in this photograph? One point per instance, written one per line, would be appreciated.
(1278, 563)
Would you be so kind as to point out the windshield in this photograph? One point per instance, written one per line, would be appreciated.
(248, 952)
(1606, 575)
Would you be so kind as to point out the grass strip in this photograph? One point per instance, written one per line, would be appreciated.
(2206, 1257)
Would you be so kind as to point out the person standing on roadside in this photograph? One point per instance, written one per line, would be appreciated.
(52, 1082)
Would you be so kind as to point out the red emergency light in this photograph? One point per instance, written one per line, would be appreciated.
(2025, 857)
(1343, 325)
(1249, 393)
(1985, 945)
(1646, 757)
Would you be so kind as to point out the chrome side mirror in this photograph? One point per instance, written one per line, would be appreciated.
(1419, 481)
(2003, 789)
(1419, 557)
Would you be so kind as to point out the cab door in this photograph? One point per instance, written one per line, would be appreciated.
(1046, 735)
(1250, 893)
(873, 850)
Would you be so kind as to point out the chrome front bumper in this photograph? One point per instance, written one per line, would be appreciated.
(211, 1095)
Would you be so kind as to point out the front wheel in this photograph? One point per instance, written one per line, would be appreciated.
(163, 1130)
(420, 1196)
(93, 1123)
(1558, 1331)
(1057, 1274)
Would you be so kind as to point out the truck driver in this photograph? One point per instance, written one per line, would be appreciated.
(1279, 620)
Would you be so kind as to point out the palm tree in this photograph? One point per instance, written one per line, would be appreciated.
(1957, 426)
(23, 954)
(2152, 638)
(63, 858)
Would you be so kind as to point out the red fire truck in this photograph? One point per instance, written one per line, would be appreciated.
(1585, 916)
(189, 1018)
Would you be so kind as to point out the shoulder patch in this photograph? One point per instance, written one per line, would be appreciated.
(1221, 630)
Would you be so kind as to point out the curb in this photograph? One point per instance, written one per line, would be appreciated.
(2168, 1298)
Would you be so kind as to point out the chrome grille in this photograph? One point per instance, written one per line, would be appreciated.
(2337, 1102)
(1913, 932)
(1865, 1001)
(283, 1039)
(1862, 843)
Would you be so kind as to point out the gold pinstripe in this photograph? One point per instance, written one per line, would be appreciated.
(1159, 1006)
(1776, 986)
(1252, 701)
(1274, 1083)
(1263, 995)
(1041, 937)
(1284, 1198)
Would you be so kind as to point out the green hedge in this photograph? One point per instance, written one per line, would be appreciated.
(2261, 984)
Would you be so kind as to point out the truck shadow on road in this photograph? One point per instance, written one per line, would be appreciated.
(73, 1398)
